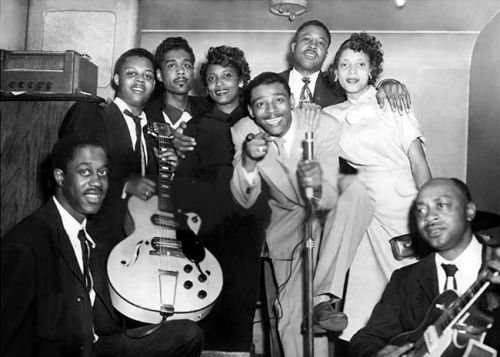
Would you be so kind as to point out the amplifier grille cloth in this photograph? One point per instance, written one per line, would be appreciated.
(87, 32)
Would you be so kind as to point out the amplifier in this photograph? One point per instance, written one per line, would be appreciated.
(42, 71)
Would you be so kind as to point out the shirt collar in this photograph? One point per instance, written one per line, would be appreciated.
(70, 224)
(123, 106)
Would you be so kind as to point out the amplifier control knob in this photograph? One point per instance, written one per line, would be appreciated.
(20, 84)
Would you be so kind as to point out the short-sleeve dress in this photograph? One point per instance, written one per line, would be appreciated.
(375, 141)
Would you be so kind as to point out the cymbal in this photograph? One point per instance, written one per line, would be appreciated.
(485, 220)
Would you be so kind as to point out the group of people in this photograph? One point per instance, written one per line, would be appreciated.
(239, 164)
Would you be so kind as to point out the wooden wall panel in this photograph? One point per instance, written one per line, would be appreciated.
(28, 132)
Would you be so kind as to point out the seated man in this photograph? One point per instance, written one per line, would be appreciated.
(268, 149)
(443, 212)
(55, 299)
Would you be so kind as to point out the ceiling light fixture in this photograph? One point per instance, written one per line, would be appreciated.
(288, 8)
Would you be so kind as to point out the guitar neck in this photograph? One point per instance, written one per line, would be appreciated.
(165, 178)
(462, 304)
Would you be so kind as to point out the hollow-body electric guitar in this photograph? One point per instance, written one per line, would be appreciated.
(162, 269)
(453, 325)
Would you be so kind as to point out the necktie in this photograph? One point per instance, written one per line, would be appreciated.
(138, 132)
(305, 93)
(450, 270)
(86, 256)
(280, 145)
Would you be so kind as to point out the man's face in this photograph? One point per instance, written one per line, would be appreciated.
(443, 216)
(271, 107)
(309, 49)
(135, 81)
(176, 72)
(222, 84)
(84, 182)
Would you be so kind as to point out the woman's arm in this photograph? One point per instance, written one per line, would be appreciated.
(419, 167)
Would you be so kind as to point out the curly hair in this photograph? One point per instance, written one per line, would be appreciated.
(169, 44)
(361, 42)
(226, 56)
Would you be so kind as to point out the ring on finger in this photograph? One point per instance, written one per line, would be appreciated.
(261, 149)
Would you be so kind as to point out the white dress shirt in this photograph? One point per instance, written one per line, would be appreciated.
(295, 82)
(131, 127)
(468, 264)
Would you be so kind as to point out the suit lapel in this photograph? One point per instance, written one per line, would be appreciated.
(427, 276)
(61, 239)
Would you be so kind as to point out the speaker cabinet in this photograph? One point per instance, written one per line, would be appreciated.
(100, 29)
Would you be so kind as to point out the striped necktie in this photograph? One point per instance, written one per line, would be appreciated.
(86, 258)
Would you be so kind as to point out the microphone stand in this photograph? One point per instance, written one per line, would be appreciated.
(309, 253)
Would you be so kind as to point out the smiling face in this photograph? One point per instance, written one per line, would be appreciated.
(271, 107)
(223, 85)
(135, 82)
(309, 49)
(176, 72)
(82, 185)
(443, 217)
(353, 71)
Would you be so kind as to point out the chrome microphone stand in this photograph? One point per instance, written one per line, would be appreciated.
(309, 253)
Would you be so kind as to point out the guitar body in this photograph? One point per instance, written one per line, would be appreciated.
(151, 277)
(454, 339)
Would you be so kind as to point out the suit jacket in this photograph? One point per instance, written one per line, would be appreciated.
(402, 308)
(46, 310)
(108, 126)
(324, 94)
(288, 208)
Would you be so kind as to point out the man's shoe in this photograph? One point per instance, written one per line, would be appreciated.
(325, 317)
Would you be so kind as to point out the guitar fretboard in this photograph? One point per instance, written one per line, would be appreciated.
(460, 305)
(165, 180)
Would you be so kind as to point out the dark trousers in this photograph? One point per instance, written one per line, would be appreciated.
(178, 338)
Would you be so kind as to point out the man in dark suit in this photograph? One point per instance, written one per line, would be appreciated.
(120, 127)
(55, 300)
(443, 212)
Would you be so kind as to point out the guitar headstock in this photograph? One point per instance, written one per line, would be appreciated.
(160, 130)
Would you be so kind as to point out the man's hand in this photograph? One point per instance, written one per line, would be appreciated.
(396, 94)
(495, 265)
(181, 142)
(255, 148)
(167, 156)
(396, 351)
(310, 174)
(140, 187)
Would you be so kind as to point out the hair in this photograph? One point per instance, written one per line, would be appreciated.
(367, 44)
(313, 23)
(120, 62)
(227, 56)
(66, 147)
(265, 78)
(169, 44)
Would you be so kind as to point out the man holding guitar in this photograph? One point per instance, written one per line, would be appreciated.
(443, 212)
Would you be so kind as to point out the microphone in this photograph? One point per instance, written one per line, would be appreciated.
(308, 154)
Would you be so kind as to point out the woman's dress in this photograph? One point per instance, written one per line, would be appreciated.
(375, 141)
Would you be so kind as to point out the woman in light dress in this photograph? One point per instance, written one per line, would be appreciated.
(387, 150)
